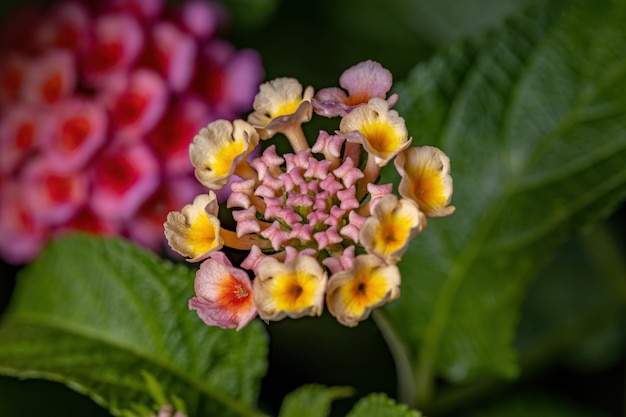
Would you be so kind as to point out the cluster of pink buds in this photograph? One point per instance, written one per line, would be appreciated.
(99, 101)
(312, 226)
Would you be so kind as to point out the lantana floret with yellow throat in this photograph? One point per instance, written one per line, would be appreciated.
(314, 225)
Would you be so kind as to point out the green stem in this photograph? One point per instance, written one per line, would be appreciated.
(400, 353)
(607, 258)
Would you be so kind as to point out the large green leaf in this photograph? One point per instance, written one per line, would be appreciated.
(95, 313)
(533, 117)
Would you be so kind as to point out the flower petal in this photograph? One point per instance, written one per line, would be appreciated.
(279, 105)
(223, 294)
(381, 131)
(194, 231)
(352, 294)
(292, 289)
(390, 228)
(219, 148)
(425, 179)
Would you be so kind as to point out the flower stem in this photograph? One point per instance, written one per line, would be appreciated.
(245, 171)
(371, 172)
(296, 138)
(245, 242)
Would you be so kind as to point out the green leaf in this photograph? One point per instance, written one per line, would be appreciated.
(533, 117)
(380, 405)
(96, 314)
(312, 400)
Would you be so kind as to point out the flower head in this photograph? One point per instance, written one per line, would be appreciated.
(381, 131)
(352, 294)
(194, 232)
(223, 294)
(308, 213)
(425, 179)
(292, 289)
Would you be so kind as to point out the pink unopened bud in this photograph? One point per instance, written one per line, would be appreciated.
(327, 238)
(348, 198)
(246, 221)
(303, 232)
(348, 173)
(331, 185)
(317, 169)
(269, 161)
(275, 235)
(329, 145)
(377, 191)
(336, 216)
(254, 259)
(341, 262)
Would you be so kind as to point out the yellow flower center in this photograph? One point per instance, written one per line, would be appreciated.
(288, 107)
(381, 137)
(392, 233)
(428, 188)
(367, 288)
(202, 236)
(222, 161)
(295, 291)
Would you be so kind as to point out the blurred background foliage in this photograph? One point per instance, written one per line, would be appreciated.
(579, 366)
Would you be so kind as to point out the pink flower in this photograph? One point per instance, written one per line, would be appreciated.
(123, 179)
(87, 221)
(99, 102)
(117, 43)
(171, 52)
(366, 80)
(228, 79)
(146, 227)
(50, 78)
(172, 136)
(80, 131)
(137, 102)
(223, 294)
(12, 73)
(141, 9)
(202, 18)
(22, 236)
(67, 27)
(52, 195)
(22, 130)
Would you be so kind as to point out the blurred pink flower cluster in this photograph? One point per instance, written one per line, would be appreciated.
(98, 104)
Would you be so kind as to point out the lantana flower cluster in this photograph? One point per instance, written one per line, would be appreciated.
(99, 101)
(311, 226)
